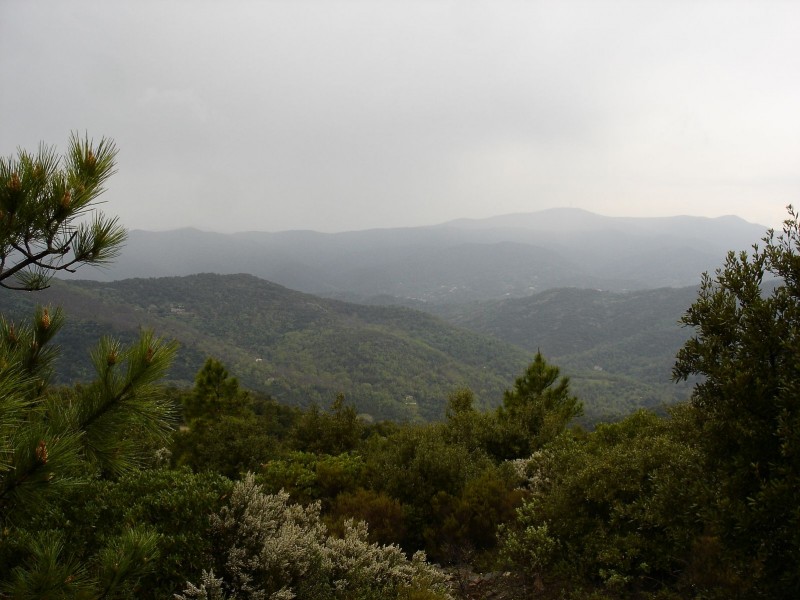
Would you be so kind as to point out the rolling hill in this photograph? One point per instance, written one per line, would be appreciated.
(593, 335)
(391, 362)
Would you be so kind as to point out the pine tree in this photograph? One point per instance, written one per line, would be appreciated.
(54, 439)
(535, 410)
(215, 394)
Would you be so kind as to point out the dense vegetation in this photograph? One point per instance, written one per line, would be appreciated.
(617, 347)
(121, 487)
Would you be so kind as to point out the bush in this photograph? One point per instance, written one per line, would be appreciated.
(266, 547)
(616, 507)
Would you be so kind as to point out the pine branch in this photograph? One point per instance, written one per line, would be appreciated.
(121, 402)
(39, 204)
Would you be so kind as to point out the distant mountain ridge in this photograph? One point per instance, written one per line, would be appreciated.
(577, 219)
(458, 261)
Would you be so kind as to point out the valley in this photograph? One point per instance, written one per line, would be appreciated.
(391, 362)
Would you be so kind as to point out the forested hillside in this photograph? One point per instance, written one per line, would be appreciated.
(614, 345)
(390, 362)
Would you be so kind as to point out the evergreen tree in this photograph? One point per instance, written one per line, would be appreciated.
(53, 440)
(49, 439)
(222, 433)
(215, 394)
(535, 410)
(746, 348)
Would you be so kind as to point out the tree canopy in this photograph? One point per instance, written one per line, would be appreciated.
(746, 349)
(537, 408)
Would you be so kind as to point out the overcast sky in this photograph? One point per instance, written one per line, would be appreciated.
(334, 115)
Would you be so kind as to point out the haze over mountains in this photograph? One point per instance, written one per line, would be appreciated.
(459, 261)
(599, 296)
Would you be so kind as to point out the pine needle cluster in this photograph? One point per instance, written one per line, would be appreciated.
(48, 216)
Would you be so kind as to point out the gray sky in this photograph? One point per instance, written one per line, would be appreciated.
(334, 115)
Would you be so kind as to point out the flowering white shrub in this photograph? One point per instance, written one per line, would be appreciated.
(269, 549)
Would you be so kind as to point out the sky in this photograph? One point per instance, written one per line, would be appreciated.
(334, 115)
